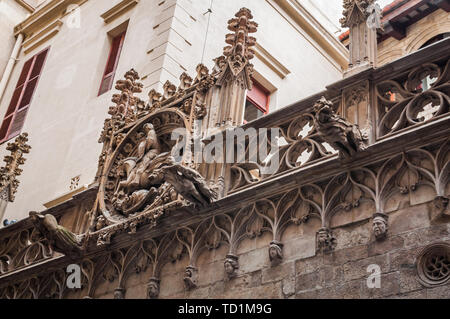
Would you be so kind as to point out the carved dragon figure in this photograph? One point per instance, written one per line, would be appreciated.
(337, 131)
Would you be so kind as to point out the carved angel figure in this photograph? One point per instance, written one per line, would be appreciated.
(61, 239)
(337, 131)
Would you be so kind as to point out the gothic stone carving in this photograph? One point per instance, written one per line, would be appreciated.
(433, 265)
(231, 265)
(380, 226)
(275, 252)
(240, 50)
(326, 242)
(355, 11)
(190, 277)
(153, 288)
(61, 239)
(336, 131)
(189, 184)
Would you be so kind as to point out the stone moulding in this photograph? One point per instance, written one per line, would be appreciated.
(118, 10)
(51, 11)
(42, 36)
(274, 64)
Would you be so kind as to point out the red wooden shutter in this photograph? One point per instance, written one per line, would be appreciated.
(259, 97)
(111, 64)
(22, 96)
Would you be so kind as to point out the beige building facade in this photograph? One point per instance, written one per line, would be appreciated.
(163, 39)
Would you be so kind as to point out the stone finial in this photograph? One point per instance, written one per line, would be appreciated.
(240, 42)
(9, 173)
(169, 90)
(240, 50)
(362, 17)
(355, 11)
(185, 81)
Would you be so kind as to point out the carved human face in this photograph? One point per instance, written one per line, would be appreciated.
(119, 294)
(323, 236)
(230, 266)
(153, 289)
(379, 227)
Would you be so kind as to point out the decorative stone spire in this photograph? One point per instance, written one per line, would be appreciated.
(362, 17)
(9, 173)
(240, 50)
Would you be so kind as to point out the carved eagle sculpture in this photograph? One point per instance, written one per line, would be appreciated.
(188, 183)
(61, 239)
(337, 131)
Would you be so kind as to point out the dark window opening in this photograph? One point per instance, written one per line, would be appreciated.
(23, 94)
(257, 103)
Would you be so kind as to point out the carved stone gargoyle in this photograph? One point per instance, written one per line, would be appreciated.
(61, 239)
(337, 131)
(188, 183)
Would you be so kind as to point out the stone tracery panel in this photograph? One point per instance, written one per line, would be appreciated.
(419, 96)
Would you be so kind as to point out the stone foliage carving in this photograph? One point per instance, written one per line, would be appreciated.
(420, 96)
(9, 173)
(380, 226)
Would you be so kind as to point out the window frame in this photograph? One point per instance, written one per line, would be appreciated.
(112, 74)
(266, 92)
(12, 116)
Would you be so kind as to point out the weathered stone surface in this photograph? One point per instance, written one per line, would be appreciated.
(409, 218)
(341, 256)
(308, 281)
(358, 269)
(278, 272)
(384, 246)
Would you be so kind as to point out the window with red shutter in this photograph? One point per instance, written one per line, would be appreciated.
(23, 93)
(111, 64)
(257, 104)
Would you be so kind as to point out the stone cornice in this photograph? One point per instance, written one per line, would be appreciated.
(118, 10)
(327, 42)
(274, 64)
(26, 5)
(44, 16)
